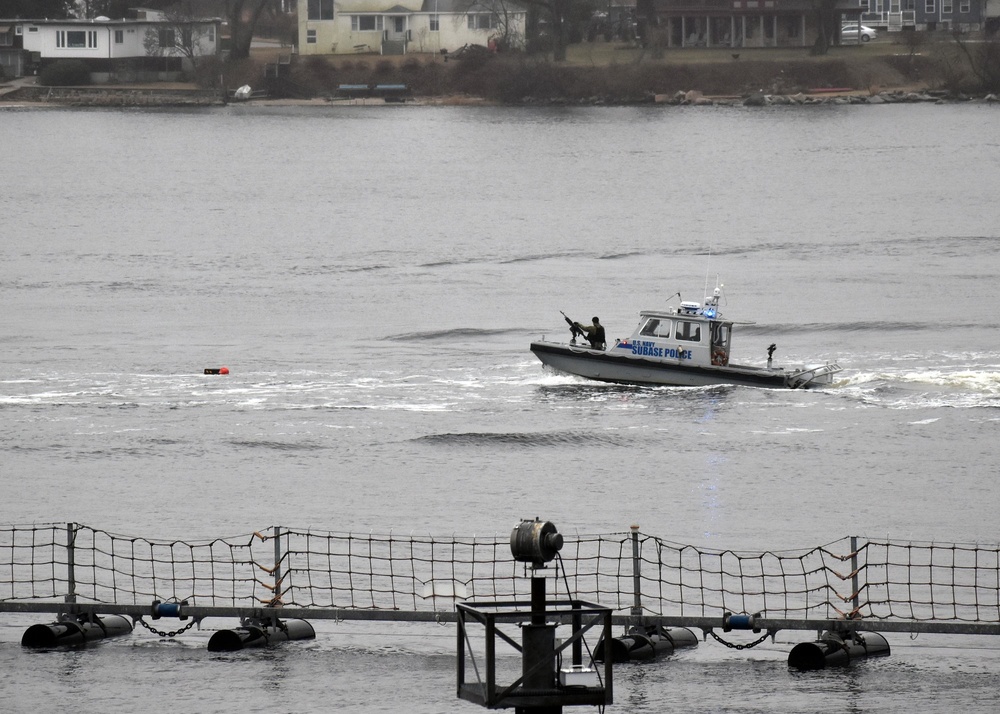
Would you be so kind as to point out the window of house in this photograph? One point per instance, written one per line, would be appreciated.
(167, 38)
(965, 6)
(362, 23)
(119, 37)
(929, 6)
(482, 21)
(435, 23)
(72, 38)
(310, 37)
(689, 331)
(946, 7)
(320, 10)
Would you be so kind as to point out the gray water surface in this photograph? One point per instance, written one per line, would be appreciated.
(372, 278)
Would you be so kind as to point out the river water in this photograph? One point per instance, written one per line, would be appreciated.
(372, 278)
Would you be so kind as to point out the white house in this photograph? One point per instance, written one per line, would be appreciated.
(403, 26)
(154, 45)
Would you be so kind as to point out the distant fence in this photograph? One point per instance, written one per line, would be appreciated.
(879, 585)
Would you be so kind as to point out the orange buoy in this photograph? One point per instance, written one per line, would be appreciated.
(224, 370)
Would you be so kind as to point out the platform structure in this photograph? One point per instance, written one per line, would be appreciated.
(856, 584)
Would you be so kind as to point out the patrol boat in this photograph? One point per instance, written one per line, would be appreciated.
(687, 346)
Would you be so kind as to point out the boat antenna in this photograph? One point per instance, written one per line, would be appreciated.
(675, 295)
(708, 264)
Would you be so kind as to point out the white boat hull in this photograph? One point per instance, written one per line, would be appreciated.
(606, 366)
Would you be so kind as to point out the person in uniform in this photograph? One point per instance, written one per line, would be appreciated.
(594, 333)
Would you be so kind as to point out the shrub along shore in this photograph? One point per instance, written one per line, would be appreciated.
(594, 74)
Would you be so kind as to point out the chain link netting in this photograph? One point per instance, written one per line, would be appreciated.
(320, 569)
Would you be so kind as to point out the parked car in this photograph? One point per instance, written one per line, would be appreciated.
(849, 33)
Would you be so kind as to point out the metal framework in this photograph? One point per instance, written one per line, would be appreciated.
(582, 616)
(875, 585)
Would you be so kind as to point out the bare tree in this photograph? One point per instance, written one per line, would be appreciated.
(181, 33)
(983, 59)
(826, 25)
(89, 9)
(560, 14)
(504, 15)
(243, 16)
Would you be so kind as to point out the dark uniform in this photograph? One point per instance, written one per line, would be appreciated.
(594, 334)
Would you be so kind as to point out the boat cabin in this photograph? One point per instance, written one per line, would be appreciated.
(693, 334)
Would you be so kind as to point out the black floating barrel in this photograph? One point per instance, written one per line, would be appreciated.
(834, 650)
(74, 632)
(240, 638)
(646, 643)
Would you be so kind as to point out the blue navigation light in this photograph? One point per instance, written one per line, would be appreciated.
(709, 313)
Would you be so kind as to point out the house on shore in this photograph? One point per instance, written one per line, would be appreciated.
(929, 15)
(793, 23)
(151, 47)
(398, 27)
(745, 23)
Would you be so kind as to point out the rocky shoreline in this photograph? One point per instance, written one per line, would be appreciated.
(760, 99)
(148, 96)
(97, 96)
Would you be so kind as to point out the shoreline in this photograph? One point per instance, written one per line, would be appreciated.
(25, 94)
(131, 100)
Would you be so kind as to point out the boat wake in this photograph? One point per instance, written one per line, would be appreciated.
(271, 444)
(527, 439)
(456, 333)
(922, 389)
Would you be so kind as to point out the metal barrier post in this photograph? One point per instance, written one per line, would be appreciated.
(636, 575)
(70, 563)
(276, 600)
(854, 570)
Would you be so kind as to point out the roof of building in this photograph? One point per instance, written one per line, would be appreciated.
(103, 22)
(347, 7)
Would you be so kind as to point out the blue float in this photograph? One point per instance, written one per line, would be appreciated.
(168, 609)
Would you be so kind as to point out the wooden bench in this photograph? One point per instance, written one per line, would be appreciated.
(354, 91)
(392, 92)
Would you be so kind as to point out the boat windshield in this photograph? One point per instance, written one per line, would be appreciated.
(689, 331)
(656, 327)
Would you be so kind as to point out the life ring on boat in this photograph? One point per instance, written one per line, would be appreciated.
(719, 357)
